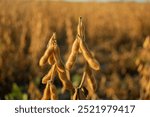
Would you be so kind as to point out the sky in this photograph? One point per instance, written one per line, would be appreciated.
(107, 0)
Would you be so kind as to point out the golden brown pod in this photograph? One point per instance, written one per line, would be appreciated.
(53, 91)
(90, 78)
(90, 83)
(50, 76)
(46, 94)
(47, 53)
(73, 55)
(52, 40)
(81, 29)
(47, 77)
(67, 85)
(93, 63)
(68, 74)
(49, 50)
(90, 88)
(51, 60)
(57, 58)
(91, 92)
(80, 92)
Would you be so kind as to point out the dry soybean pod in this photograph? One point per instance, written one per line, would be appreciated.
(91, 90)
(88, 56)
(57, 59)
(46, 94)
(51, 60)
(52, 40)
(91, 78)
(47, 53)
(53, 91)
(78, 91)
(51, 74)
(66, 83)
(81, 29)
(73, 55)
(68, 74)
(90, 82)
(47, 77)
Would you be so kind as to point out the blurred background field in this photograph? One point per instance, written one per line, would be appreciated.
(115, 32)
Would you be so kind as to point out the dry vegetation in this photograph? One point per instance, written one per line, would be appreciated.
(53, 58)
(143, 63)
(115, 33)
